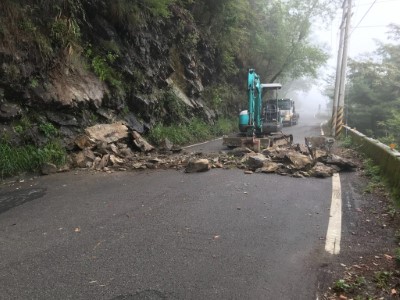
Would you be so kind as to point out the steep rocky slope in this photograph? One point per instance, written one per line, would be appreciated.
(73, 65)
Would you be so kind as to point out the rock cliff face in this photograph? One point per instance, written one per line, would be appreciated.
(115, 73)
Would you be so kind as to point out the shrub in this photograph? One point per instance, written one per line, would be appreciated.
(194, 131)
(14, 160)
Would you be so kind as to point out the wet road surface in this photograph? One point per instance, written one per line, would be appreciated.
(163, 235)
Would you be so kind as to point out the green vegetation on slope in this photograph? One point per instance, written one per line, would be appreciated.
(194, 131)
(374, 92)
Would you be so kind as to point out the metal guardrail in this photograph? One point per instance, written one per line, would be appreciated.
(387, 159)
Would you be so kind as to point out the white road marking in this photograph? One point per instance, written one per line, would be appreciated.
(333, 235)
(202, 143)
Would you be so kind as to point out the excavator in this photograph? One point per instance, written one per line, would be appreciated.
(259, 127)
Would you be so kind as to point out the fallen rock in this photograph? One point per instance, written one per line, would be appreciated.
(108, 133)
(255, 161)
(320, 155)
(141, 143)
(96, 163)
(113, 148)
(269, 167)
(198, 165)
(116, 160)
(319, 142)
(83, 141)
(320, 170)
(104, 161)
(298, 160)
(302, 149)
(126, 152)
(102, 148)
(155, 160)
(48, 168)
(166, 145)
(241, 151)
(83, 159)
(343, 163)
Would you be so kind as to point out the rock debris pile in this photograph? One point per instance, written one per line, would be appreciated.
(109, 148)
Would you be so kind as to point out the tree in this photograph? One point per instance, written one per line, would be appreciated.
(374, 91)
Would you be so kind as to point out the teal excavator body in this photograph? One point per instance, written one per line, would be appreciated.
(259, 128)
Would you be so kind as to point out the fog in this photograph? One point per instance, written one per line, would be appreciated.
(311, 102)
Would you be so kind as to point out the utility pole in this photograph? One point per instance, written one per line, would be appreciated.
(339, 120)
(338, 71)
(338, 99)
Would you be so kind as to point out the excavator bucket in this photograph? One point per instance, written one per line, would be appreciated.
(257, 143)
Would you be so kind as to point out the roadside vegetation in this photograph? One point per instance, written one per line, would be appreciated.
(15, 160)
(370, 265)
(220, 40)
(373, 92)
(29, 147)
(194, 131)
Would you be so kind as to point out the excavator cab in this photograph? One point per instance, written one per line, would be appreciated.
(272, 120)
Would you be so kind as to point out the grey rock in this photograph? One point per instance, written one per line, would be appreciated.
(269, 167)
(141, 143)
(298, 160)
(166, 145)
(10, 111)
(108, 133)
(343, 163)
(240, 151)
(198, 165)
(48, 168)
(320, 170)
(319, 143)
(83, 141)
(255, 161)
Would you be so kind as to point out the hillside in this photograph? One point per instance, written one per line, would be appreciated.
(69, 64)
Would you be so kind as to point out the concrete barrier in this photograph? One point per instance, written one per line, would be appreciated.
(388, 160)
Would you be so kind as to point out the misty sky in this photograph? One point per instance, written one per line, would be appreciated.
(362, 40)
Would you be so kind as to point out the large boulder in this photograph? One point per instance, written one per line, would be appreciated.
(198, 165)
(270, 167)
(108, 133)
(255, 161)
(320, 170)
(315, 143)
(298, 161)
(343, 163)
(141, 143)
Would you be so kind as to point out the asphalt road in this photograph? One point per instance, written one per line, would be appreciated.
(163, 235)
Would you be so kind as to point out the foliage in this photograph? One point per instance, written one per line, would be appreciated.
(102, 67)
(382, 278)
(272, 36)
(48, 130)
(374, 93)
(14, 160)
(397, 256)
(225, 99)
(346, 142)
(349, 285)
(373, 172)
(341, 286)
(129, 14)
(195, 130)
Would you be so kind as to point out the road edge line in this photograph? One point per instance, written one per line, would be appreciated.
(194, 145)
(333, 234)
